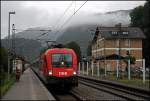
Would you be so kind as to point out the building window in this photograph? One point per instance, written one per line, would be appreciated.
(125, 33)
(114, 33)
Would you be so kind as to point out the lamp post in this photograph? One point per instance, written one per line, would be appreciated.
(9, 42)
(13, 39)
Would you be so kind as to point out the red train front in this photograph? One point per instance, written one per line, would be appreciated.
(59, 67)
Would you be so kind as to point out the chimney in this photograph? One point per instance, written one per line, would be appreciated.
(118, 26)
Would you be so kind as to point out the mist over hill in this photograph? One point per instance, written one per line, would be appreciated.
(103, 19)
(77, 30)
(81, 33)
(99, 19)
(28, 48)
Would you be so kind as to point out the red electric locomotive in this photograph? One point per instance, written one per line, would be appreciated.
(59, 67)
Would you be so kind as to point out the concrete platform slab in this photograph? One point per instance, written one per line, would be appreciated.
(28, 88)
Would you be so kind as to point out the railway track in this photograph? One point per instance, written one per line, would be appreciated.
(113, 89)
(116, 89)
(61, 94)
(66, 96)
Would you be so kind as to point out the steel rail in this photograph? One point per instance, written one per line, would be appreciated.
(118, 90)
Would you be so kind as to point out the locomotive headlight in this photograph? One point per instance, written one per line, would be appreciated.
(62, 63)
(50, 72)
(74, 73)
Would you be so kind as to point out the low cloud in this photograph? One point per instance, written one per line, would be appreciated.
(46, 13)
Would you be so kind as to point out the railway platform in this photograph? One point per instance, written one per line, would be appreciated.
(28, 88)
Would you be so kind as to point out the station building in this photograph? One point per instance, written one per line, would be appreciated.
(110, 44)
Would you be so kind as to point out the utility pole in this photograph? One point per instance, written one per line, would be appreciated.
(9, 42)
(13, 47)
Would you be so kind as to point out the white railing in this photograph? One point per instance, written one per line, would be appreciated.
(87, 68)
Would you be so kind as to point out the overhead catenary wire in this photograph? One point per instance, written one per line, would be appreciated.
(63, 14)
(65, 21)
(54, 26)
(47, 30)
(71, 17)
(74, 6)
(30, 30)
(35, 38)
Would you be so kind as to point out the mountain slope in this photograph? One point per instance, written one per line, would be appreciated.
(26, 47)
(78, 30)
(82, 34)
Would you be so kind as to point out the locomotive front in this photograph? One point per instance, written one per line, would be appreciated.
(61, 65)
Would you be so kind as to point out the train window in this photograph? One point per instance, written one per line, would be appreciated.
(61, 60)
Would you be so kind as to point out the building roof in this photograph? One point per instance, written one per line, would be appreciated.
(119, 33)
(133, 32)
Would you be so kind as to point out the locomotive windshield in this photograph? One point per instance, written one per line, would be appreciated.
(61, 60)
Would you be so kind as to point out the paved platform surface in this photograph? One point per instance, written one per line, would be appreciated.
(28, 88)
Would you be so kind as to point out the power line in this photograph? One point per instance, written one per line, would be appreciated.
(64, 13)
(74, 6)
(35, 38)
(81, 6)
(31, 30)
(61, 18)
(70, 17)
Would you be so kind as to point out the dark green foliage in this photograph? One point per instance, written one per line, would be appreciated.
(140, 18)
(132, 59)
(4, 57)
(28, 48)
(79, 34)
(146, 15)
(43, 50)
(73, 45)
(146, 42)
(137, 17)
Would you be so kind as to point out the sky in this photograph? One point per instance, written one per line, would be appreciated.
(50, 14)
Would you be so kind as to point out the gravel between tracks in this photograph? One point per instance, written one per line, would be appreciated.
(89, 93)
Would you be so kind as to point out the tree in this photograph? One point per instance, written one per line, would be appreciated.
(73, 45)
(146, 41)
(146, 16)
(140, 18)
(137, 17)
(131, 58)
(4, 61)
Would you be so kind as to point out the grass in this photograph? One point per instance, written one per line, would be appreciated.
(5, 84)
(137, 83)
(133, 82)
